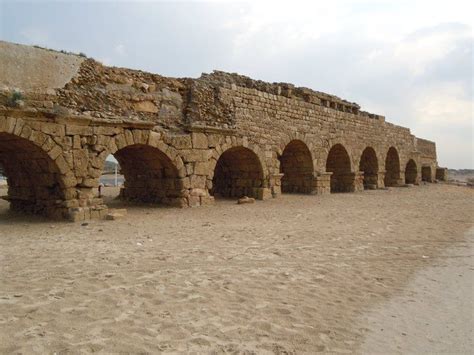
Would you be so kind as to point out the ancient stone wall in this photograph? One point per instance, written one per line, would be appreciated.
(184, 142)
(426, 148)
(35, 70)
(428, 161)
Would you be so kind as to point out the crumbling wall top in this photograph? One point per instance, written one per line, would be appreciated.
(283, 89)
(103, 92)
(75, 85)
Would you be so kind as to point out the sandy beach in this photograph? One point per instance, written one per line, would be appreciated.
(296, 274)
(433, 313)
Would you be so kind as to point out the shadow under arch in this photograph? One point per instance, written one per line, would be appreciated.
(338, 163)
(150, 176)
(426, 173)
(35, 182)
(370, 166)
(411, 172)
(238, 172)
(296, 165)
(392, 168)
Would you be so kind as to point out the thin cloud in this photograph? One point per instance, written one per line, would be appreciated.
(408, 60)
(120, 49)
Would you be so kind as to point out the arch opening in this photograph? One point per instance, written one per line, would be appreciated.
(296, 165)
(392, 168)
(411, 172)
(31, 180)
(111, 180)
(339, 164)
(238, 173)
(426, 173)
(145, 174)
(370, 166)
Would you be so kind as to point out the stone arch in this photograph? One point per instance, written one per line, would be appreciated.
(369, 165)
(338, 163)
(411, 172)
(37, 173)
(426, 173)
(392, 167)
(145, 138)
(153, 171)
(230, 142)
(238, 172)
(328, 144)
(296, 165)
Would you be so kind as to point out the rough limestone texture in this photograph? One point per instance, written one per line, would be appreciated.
(182, 142)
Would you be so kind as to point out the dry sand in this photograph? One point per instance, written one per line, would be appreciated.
(297, 274)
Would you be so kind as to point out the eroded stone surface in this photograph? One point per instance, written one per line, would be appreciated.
(180, 142)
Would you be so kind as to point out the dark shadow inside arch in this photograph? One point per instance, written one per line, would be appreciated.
(339, 164)
(370, 166)
(296, 166)
(426, 173)
(31, 181)
(392, 168)
(238, 173)
(411, 172)
(147, 175)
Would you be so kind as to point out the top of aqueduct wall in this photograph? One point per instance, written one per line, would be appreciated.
(66, 84)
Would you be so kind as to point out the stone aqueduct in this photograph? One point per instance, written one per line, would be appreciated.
(182, 142)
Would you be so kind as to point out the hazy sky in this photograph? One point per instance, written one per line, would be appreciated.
(411, 61)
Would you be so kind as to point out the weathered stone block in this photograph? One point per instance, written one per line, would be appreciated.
(198, 192)
(26, 132)
(90, 183)
(62, 164)
(194, 201)
(201, 168)
(263, 193)
(69, 181)
(120, 141)
(179, 142)
(207, 200)
(55, 152)
(129, 137)
(53, 129)
(198, 181)
(72, 130)
(145, 106)
(154, 138)
(76, 214)
(199, 155)
(245, 200)
(7, 124)
(81, 161)
(38, 137)
(106, 130)
(200, 141)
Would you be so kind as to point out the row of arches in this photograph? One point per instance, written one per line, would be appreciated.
(150, 175)
(339, 164)
(35, 181)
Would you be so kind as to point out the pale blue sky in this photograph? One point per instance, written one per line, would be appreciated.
(408, 60)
